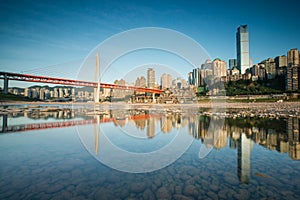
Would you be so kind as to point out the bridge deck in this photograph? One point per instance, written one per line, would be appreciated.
(63, 81)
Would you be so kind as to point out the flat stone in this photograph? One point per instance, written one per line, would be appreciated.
(138, 187)
(178, 189)
(212, 195)
(230, 194)
(163, 193)
(214, 187)
(103, 194)
(185, 177)
(157, 182)
(222, 193)
(232, 180)
(124, 193)
(190, 190)
(54, 188)
(66, 195)
(181, 197)
(148, 195)
(244, 194)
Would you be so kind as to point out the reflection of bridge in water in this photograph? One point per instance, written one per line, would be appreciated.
(68, 123)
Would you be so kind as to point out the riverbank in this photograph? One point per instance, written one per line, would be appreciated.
(208, 104)
(232, 110)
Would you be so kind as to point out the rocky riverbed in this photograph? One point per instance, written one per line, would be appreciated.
(229, 110)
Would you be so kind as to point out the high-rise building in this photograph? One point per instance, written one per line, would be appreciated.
(292, 70)
(55, 92)
(197, 79)
(140, 82)
(207, 64)
(258, 72)
(150, 78)
(281, 64)
(232, 63)
(190, 78)
(270, 67)
(60, 93)
(27, 92)
(242, 48)
(292, 78)
(42, 94)
(293, 57)
(219, 68)
(166, 81)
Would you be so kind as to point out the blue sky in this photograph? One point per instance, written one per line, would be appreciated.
(35, 34)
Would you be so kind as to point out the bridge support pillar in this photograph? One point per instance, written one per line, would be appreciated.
(5, 89)
(111, 94)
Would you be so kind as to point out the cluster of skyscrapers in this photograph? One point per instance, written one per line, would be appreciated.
(166, 81)
(241, 67)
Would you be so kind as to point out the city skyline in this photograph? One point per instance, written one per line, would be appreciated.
(40, 34)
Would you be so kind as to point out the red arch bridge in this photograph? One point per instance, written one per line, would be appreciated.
(62, 81)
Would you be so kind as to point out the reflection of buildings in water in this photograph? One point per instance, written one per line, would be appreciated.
(280, 141)
(120, 122)
(272, 138)
(170, 121)
(234, 136)
(150, 128)
(198, 126)
(212, 132)
(294, 138)
(120, 117)
(209, 130)
(191, 124)
(140, 123)
(221, 139)
(244, 153)
(166, 123)
(184, 121)
(177, 121)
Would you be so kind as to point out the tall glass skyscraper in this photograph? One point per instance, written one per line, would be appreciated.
(242, 48)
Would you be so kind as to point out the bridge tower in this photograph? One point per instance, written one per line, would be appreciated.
(97, 78)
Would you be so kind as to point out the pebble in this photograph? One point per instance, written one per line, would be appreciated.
(138, 187)
(181, 197)
(148, 195)
(190, 190)
(162, 193)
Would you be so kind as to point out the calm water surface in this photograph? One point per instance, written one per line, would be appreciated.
(55, 155)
